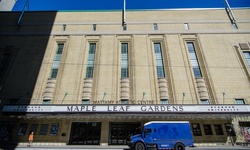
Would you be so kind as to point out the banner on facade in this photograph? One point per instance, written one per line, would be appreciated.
(126, 108)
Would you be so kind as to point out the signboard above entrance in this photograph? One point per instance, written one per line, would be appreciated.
(126, 109)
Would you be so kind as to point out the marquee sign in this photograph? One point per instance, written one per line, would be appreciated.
(126, 109)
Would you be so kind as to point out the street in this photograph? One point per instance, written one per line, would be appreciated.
(74, 147)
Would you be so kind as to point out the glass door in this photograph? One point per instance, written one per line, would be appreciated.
(85, 133)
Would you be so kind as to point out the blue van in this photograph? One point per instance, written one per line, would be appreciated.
(163, 135)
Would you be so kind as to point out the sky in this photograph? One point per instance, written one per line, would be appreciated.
(48, 5)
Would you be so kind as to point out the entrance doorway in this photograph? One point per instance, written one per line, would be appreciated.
(85, 133)
(120, 132)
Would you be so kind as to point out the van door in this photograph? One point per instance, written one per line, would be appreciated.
(148, 135)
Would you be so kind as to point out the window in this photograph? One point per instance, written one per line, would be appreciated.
(204, 101)
(44, 129)
(94, 27)
(91, 58)
(85, 101)
(34, 128)
(124, 101)
(124, 27)
(158, 59)
(47, 101)
(186, 26)
(207, 129)
(196, 129)
(164, 101)
(57, 60)
(54, 129)
(247, 57)
(218, 129)
(147, 131)
(124, 60)
(229, 129)
(194, 61)
(240, 101)
(155, 26)
(64, 27)
(22, 129)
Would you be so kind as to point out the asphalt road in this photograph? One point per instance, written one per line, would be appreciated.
(115, 148)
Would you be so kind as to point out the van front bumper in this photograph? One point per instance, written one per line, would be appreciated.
(130, 144)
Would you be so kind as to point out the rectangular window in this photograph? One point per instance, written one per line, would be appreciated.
(33, 128)
(247, 57)
(155, 26)
(54, 129)
(94, 27)
(164, 101)
(57, 60)
(124, 60)
(124, 27)
(240, 101)
(44, 129)
(196, 129)
(218, 129)
(186, 26)
(22, 129)
(91, 58)
(229, 129)
(85, 101)
(64, 27)
(207, 129)
(158, 59)
(194, 60)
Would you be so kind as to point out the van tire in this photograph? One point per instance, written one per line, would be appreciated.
(179, 146)
(139, 146)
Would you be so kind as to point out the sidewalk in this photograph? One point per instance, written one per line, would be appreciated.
(23, 146)
(72, 147)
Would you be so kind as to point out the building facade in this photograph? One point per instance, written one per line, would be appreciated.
(88, 77)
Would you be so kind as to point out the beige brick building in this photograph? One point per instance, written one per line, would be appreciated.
(85, 77)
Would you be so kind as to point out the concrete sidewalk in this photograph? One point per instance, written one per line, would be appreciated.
(40, 146)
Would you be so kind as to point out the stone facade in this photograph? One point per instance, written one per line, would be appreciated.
(32, 46)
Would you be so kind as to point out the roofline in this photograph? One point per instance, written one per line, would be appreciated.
(131, 10)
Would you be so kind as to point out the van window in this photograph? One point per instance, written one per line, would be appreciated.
(147, 131)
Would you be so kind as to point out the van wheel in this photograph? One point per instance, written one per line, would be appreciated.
(139, 146)
(179, 146)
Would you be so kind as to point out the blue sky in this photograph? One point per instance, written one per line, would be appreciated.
(45, 5)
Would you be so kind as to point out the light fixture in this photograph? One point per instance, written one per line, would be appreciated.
(65, 94)
(183, 95)
(104, 94)
(223, 93)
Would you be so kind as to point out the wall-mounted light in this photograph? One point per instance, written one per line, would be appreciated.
(223, 94)
(104, 94)
(65, 94)
(183, 95)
